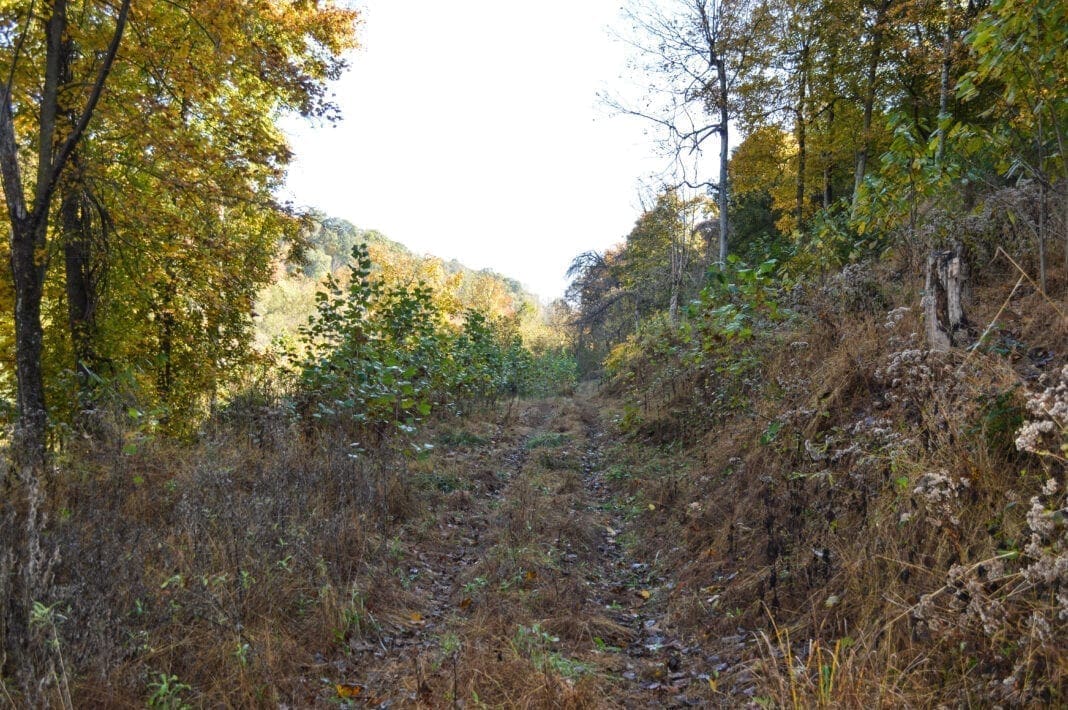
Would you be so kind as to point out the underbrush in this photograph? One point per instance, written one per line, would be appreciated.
(214, 573)
(227, 572)
(884, 523)
(223, 570)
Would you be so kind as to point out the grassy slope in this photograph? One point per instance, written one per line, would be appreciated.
(851, 518)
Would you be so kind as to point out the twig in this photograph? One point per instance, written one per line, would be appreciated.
(1031, 281)
(946, 587)
(919, 568)
(7, 695)
(990, 327)
(10, 83)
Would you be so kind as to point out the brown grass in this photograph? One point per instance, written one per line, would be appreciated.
(803, 534)
(817, 541)
(233, 566)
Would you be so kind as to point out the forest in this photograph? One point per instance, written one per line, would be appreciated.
(800, 439)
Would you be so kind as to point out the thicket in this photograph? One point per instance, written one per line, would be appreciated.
(882, 519)
(855, 163)
(378, 356)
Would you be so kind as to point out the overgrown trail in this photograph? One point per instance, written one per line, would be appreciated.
(519, 588)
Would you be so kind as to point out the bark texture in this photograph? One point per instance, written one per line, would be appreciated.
(945, 292)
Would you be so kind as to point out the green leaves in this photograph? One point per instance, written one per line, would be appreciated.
(379, 356)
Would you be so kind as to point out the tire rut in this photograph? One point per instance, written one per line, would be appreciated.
(521, 592)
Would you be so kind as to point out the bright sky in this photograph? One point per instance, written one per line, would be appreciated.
(472, 130)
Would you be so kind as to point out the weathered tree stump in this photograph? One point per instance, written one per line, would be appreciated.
(945, 290)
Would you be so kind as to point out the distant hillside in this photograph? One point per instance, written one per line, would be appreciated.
(286, 304)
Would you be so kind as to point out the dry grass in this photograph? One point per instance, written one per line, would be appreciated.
(864, 518)
(854, 537)
(223, 573)
(261, 568)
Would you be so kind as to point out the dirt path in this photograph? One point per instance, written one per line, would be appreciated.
(518, 590)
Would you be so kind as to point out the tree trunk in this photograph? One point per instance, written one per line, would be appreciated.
(801, 128)
(709, 239)
(944, 86)
(1042, 210)
(24, 564)
(25, 567)
(81, 290)
(1042, 228)
(724, 158)
(945, 291)
(28, 276)
(76, 225)
(869, 98)
(828, 178)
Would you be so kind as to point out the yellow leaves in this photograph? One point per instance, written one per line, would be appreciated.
(348, 691)
(644, 594)
(353, 691)
(530, 575)
(416, 618)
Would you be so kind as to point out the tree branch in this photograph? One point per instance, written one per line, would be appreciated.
(10, 81)
(61, 158)
(9, 162)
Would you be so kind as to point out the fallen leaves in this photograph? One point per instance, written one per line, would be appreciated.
(352, 691)
(348, 690)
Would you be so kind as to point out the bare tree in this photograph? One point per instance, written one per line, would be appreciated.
(694, 52)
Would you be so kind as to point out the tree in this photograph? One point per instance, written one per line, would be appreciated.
(661, 251)
(874, 34)
(29, 219)
(696, 51)
(1021, 48)
(599, 304)
(168, 153)
(186, 158)
(788, 85)
(25, 568)
(761, 182)
(655, 271)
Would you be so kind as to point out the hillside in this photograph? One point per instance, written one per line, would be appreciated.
(325, 247)
(867, 517)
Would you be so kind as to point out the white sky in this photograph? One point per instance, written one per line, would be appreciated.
(472, 130)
